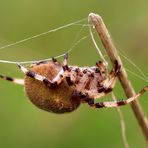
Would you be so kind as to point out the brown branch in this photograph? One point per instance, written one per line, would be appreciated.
(123, 78)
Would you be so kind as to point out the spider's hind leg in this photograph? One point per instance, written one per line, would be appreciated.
(14, 80)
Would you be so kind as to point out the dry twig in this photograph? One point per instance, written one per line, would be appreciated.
(123, 78)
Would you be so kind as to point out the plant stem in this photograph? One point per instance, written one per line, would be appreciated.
(122, 76)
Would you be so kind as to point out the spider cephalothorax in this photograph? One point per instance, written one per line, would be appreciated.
(60, 88)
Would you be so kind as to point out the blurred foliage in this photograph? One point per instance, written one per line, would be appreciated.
(23, 125)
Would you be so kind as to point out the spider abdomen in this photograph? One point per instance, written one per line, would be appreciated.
(57, 100)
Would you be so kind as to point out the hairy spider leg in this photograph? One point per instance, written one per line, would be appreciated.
(109, 83)
(14, 80)
(106, 88)
(65, 62)
(88, 96)
(102, 67)
(34, 75)
(117, 103)
(80, 92)
(63, 73)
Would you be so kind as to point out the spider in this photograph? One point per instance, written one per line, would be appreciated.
(60, 88)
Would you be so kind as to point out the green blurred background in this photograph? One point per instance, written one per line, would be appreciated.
(23, 125)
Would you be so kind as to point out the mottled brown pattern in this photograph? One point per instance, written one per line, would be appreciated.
(59, 99)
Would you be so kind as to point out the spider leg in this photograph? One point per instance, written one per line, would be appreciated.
(65, 63)
(110, 81)
(107, 85)
(36, 76)
(80, 91)
(115, 103)
(65, 59)
(102, 67)
(63, 73)
(14, 80)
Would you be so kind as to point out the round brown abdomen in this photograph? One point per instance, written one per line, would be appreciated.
(57, 100)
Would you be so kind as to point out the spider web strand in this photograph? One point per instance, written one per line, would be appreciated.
(35, 61)
(130, 61)
(135, 74)
(95, 44)
(122, 123)
(44, 33)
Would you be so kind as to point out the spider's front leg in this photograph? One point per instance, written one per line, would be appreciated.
(108, 84)
(102, 67)
(110, 104)
(106, 88)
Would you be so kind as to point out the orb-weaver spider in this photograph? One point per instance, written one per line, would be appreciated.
(60, 88)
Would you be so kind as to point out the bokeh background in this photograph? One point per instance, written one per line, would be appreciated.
(21, 123)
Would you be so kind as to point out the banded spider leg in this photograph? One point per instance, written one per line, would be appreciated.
(64, 72)
(14, 80)
(110, 104)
